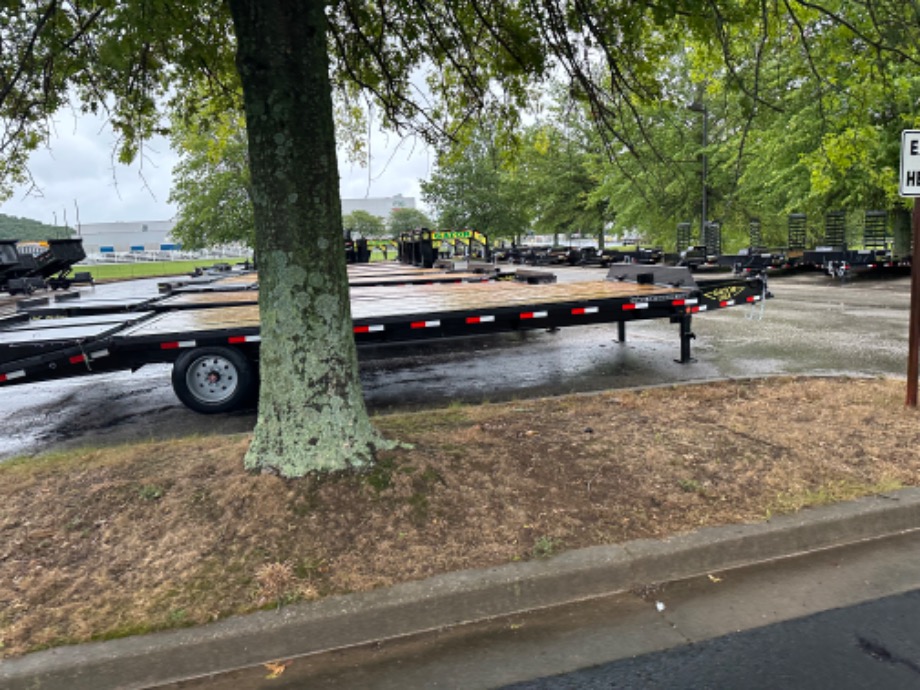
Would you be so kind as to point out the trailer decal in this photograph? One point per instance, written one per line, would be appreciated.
(725, 293)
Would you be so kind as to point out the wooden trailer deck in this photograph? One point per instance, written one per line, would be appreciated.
(409, 303)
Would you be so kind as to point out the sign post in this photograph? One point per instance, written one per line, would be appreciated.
(909, 186)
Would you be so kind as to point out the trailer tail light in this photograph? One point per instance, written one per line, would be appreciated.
(9, 376)
(632, 306)
(415, 325)
(489, 318)
(176, 344)
(534, 314)
(240, 339)
(580, 311)
(376, 328)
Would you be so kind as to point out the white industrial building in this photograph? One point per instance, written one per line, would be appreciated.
(140, 236)
(153, 236)
(379, 206)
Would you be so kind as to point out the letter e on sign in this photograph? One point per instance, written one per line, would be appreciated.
(909, 180)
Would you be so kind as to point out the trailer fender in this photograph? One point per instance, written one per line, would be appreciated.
(214, 379)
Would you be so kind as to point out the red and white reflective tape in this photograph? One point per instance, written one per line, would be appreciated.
(487, 318)
(635, 305)
(697, 310)
(684, 302)
(240, 339)
(727, 303)
(9, 376)
(579, 311)
(415, 325)
(89, 356)
(534, 314)
(177, 344)
(375, 328)
(753, 298)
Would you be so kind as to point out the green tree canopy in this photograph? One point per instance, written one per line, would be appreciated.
(365, 224)
(559, 189)
(406, 219)
(26, 229)
(472, 189)
(211, 183)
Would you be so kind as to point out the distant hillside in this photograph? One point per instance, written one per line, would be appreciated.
(13, 228)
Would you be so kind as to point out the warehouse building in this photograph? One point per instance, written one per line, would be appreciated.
(154, 236)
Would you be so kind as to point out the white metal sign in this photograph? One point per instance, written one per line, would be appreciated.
(909, 181)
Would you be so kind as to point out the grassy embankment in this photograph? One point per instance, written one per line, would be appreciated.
(151, 269)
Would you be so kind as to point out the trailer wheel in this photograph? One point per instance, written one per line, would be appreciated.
(213, 379)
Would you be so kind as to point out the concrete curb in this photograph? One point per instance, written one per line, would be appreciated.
(454, 599)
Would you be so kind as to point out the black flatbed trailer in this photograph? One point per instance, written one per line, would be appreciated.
(213, 338)
(841, 262)
(754, 260)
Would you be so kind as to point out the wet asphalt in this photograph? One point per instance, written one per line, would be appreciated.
(814, 325)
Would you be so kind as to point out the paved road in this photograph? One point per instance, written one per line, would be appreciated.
(872, 645)
(815, 325)
(846, 619)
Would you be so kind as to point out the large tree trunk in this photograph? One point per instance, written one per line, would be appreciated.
(311, 408)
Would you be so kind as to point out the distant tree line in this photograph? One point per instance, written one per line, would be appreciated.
(14, 228)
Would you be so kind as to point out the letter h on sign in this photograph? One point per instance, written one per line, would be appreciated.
(909, 181)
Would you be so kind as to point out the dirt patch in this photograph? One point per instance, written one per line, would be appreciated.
(104, 543)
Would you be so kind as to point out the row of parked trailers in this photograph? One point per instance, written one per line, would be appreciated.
(209, 331)
(884, 245)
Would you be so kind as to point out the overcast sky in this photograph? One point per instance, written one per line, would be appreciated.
(78, 173)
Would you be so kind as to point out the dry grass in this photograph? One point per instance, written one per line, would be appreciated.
(105, 543)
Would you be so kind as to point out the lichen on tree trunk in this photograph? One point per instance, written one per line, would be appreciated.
(311, 408)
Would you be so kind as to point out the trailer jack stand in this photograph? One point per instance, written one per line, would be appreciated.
(686, 335)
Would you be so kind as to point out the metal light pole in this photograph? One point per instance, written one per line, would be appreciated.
(699, 107)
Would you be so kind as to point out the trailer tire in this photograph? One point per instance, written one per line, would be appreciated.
(211, 380)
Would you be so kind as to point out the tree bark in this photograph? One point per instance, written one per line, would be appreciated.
(311, 407)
